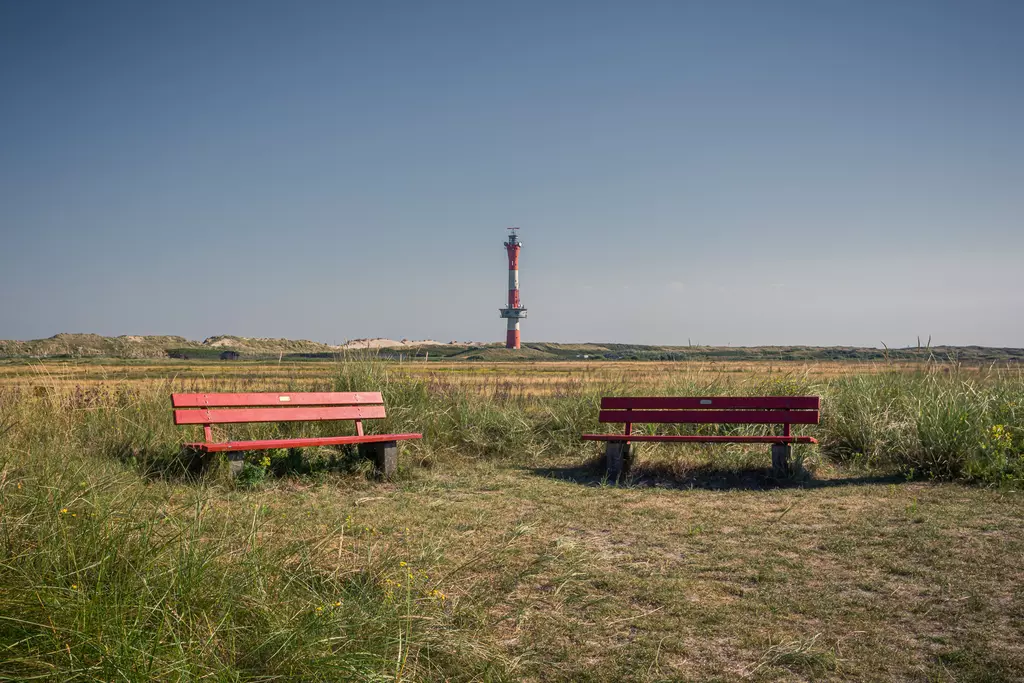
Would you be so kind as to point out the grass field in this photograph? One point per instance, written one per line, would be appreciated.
(543, 377)
(500, 553)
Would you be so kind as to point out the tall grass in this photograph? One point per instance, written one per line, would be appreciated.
(109, 573)
(935, 422)
(499, 421)
(106, 577)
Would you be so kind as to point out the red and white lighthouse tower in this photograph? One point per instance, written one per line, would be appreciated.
(514, 311)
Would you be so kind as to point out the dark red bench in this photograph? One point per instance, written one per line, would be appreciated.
(772, 410)
(210, 409)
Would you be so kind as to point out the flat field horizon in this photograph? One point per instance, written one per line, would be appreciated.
(230, 347)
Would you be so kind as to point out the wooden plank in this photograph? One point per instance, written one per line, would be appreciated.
(266, 444)
(197, 417)
(710, 402)
(307, 398)
(710, 416)
(693, 438)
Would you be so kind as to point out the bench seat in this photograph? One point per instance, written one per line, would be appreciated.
(266, 444)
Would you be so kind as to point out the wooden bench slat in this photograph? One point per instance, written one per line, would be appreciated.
(710, 416)
(202, 417)
(710, 402)
(266, 444)
(693, 438)
(337, 398)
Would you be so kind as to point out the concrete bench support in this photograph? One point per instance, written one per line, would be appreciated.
(236, 461)
(618, 458)
(384, 454)
(781, 456)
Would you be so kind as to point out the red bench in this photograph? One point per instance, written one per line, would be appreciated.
(772, 410)
(210, 409)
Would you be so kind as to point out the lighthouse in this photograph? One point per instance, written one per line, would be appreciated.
(514, 311)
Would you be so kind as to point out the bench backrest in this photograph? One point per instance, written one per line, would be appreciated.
(210, 409)
(784, 410)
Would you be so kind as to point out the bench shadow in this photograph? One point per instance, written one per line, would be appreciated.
(712, 478)
(189, 466)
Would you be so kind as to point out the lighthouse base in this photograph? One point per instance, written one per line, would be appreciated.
(512, 339)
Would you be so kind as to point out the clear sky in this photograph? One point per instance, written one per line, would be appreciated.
(826, 172)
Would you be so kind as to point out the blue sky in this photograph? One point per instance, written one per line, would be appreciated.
(830, 172)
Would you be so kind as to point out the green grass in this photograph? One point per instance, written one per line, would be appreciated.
(500, 553)
(935, 422)
(106, 575)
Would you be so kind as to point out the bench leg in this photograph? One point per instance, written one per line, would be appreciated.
(618, 457)
(236, 461)
(385, 456)
(781, 453)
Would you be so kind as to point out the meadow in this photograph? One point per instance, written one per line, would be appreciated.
(500, 552)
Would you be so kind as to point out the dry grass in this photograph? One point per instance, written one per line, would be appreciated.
(850, 577)
(529, 568)
(525, 378)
